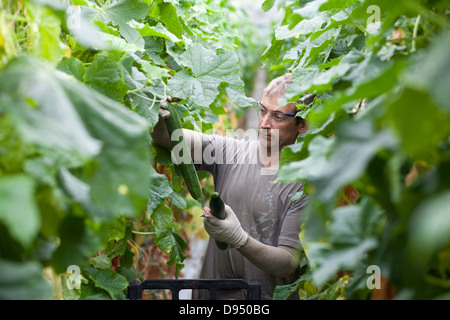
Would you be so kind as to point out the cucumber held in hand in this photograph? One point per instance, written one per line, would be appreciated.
(187, 169)
(217, 207)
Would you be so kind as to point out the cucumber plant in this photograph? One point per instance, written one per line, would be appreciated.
(375, 159)
(81, 182)
(83, 187)
(187, 169)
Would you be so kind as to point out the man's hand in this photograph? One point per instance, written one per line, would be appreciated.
(278, 261)
(163, 112)
(228, 230)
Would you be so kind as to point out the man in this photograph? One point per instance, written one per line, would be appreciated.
(262, 224)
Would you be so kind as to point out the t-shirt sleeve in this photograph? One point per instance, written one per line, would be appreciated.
(290, 228)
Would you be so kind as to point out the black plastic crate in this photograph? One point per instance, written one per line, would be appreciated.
(212, 285)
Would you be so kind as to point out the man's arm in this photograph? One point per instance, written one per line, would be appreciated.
(278, 261)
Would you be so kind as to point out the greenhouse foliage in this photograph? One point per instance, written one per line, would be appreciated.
(82, 186)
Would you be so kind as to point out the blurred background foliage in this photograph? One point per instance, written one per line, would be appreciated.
(375, 160)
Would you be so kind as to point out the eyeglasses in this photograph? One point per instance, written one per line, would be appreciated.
(277, 116)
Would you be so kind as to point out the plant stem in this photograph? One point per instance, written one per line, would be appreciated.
(136, 90)
(416, 28)
(143, 233)
(347, 200)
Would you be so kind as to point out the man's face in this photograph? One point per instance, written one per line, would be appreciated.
(277, 130)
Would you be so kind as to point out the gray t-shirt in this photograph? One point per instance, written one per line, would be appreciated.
(263, 208)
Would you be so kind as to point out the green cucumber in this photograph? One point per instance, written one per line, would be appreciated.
(187, 169)
(217, 207)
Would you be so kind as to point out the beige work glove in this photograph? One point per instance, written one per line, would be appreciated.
(228, 230)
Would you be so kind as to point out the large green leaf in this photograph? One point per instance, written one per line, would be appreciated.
(78, 243)
(167, 239)
(310, 9)
(351, 224)
(419, 123)
(49, 127)
(44, 32)
(95, 31)
(267, 5)
(155, 31)
(166, 12)
(304, 27)
(73, 67)
(327, 261)
(110, 281)
(84, 121)
(428, 228)
(143, 97)
(272, 53)
(23, 281)
(104, 75)
(18, 210)
(350, 236)
(348, 63)
(208, 70)
(120, 13)
(307, 51)
(116, 185)
(334, 163)
(299, 151)
(429, 73)
(390, 77)
(161, 189)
